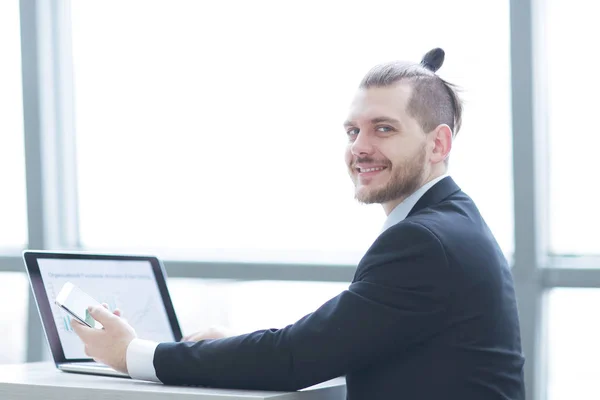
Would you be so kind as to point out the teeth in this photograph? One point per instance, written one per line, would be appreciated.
(371, 169)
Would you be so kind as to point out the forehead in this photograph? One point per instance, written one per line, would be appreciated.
(380, 102)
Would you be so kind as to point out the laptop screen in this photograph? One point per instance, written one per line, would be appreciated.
(129, 285)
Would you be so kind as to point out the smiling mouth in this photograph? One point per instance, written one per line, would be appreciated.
(366, 170)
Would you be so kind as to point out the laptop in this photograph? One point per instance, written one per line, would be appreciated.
(135, 284)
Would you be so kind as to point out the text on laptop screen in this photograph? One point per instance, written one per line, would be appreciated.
(128, 285)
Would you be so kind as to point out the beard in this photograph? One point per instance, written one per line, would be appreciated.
(405, 179)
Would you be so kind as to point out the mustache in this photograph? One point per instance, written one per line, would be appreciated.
(370, 160)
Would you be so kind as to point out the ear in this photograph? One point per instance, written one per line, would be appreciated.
(442, 143)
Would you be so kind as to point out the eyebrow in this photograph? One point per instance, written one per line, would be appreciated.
(376, 120)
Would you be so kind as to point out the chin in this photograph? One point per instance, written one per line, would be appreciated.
(363, 195)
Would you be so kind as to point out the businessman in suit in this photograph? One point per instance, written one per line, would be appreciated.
(431, 312)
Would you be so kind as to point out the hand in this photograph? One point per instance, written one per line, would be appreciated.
(210, 333)
(107, 345)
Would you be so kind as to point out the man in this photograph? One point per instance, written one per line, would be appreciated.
(431, 312)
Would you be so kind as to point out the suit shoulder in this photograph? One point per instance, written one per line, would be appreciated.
(465, 236)
(407, 238)
(405, 249)
(409, 231)
(447, 226)
(454, 215)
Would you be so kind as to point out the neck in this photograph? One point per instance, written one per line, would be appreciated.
(389, 206)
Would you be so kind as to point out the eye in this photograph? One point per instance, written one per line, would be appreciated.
(384, 128)
(352, 131)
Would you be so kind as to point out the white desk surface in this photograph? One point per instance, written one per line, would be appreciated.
(44, 381)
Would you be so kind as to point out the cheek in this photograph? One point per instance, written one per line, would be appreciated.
(393, 157)
(406, 153)
(348, 155)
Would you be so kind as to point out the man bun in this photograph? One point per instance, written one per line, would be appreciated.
(434, 59)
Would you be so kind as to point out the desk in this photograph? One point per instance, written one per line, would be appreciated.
(44, 381)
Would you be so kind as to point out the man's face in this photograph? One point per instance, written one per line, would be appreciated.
(387, 149)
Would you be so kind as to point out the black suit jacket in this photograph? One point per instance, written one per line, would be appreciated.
(431, 314)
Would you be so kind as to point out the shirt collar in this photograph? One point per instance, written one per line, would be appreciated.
(400, 212)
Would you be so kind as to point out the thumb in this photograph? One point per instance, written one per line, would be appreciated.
(101, 314)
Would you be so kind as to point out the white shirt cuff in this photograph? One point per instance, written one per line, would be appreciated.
(140, 360)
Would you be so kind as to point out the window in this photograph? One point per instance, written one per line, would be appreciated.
(13, 228)
(573, 331)
(14, 290)
(217, 135)
(246, 306)
(573, 137)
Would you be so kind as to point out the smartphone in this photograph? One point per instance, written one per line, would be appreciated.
(76, 302)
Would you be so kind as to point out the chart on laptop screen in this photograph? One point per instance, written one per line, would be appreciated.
(128, 285)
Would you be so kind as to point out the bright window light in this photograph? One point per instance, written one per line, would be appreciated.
(213, 130)
(13, 220)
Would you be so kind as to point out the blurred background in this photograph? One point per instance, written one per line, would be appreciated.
(210, 134)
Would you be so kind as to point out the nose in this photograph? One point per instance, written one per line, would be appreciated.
(362, 145)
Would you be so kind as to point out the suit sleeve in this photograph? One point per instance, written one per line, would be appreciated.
(398, 298)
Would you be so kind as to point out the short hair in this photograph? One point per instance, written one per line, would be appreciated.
(433, 101)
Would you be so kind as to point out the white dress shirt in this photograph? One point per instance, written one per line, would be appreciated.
(140, 353)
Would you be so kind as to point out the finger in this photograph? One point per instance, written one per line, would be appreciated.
(117, 312)
(76, 324)
(86, 334)
(101, 315)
